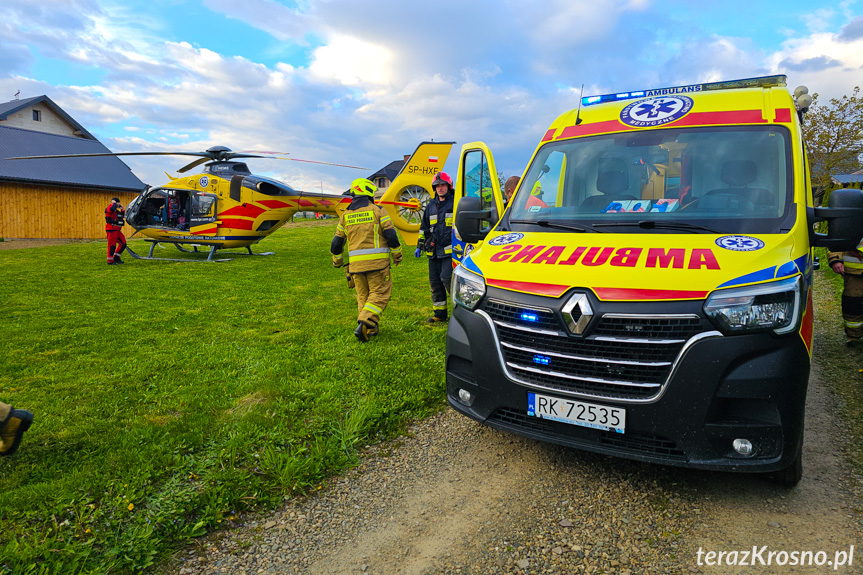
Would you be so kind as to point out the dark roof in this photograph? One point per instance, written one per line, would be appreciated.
(851, 178)
(390, 171)
(7, 108)
(105, 172)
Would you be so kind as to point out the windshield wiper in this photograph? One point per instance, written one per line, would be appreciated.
(653, 224)
(548, 224)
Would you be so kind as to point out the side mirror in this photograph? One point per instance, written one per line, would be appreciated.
(468, 218)
(844, 221)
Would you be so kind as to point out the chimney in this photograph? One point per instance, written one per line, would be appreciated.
(407, 157)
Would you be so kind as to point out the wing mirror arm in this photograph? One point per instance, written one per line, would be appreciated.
(844, 220)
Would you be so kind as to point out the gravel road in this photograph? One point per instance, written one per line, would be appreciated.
(456, 497)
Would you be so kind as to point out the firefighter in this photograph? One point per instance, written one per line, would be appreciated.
(115, 218)
(13, 424)
(850, 266)
(371, 239)
(435, 240)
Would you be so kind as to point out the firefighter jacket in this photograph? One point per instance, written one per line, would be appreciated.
(436, 228)
(853, 260)
(114, 218)
(370, 235)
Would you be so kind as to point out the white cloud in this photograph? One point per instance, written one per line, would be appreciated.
(823, 62)
(352, 62)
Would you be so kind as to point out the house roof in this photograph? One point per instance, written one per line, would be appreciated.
(390, 171)
(851, 178)
(7, 108)
(104, 172)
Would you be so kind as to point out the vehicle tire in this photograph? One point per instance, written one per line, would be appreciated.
(791, 475)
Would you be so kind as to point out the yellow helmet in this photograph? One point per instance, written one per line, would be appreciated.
(363, 187)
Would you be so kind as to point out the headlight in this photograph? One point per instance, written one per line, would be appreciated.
(764, 307)
(467, 288)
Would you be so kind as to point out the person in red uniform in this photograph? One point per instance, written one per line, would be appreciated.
(115, 217)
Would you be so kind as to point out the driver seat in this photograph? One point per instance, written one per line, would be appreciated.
(738, 174)
(611, 184)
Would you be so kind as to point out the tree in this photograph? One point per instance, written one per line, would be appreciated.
(834, 137)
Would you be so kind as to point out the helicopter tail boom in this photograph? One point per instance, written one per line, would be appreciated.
(411, 190)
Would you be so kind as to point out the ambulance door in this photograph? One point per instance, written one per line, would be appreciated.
(204, 212)
(477, 178)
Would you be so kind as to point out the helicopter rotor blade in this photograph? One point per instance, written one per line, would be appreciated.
(279, 156)
(195, 163)
(111, 154)
(325, 163)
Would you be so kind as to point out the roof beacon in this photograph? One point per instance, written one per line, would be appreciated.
(761, 81)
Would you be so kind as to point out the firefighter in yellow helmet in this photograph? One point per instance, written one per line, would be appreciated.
(372, 240)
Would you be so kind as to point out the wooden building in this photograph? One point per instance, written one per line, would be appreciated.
(58, 197)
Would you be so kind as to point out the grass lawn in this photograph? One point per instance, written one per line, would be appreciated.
(170, 398)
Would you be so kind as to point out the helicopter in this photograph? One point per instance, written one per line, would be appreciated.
(226, 206)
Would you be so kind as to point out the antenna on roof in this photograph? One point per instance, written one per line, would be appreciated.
(577, 119)
(18, 93)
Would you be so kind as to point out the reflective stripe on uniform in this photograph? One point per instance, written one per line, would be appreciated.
(386, 219)
(853, 263)
(439, 305)
(369, 257)
(353, 253)
(372, 308)
(397, 250)
(447, 249)
(339, 228)
(853, 324)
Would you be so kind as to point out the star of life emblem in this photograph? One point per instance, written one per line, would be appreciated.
(656, 111)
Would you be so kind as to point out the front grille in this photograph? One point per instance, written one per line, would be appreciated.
(629, 442)
(649, 327)
(624, 357)
(545, 318)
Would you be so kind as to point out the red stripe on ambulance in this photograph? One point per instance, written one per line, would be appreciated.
(634, 294)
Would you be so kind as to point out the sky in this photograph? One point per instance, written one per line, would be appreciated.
(364, 82)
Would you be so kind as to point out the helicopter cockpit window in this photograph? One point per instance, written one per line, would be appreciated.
(202, 205)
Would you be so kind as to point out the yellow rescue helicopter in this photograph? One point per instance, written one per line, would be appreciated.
(226, 206)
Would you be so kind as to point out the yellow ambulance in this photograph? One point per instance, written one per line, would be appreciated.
(647, 292)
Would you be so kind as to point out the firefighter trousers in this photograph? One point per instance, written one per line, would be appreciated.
(852, 305)
(374, 290)
(440, 278)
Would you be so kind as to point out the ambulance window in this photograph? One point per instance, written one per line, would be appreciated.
(477, 179)
(546, 189)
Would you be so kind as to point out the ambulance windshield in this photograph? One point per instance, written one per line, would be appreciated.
(734, 179)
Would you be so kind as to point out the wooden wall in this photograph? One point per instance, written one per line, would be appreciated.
(46, 212)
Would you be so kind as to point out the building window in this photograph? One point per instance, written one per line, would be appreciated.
(37, 116)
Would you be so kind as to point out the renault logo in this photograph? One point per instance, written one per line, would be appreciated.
(577, 313)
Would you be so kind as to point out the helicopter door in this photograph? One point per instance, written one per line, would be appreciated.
(203, 221)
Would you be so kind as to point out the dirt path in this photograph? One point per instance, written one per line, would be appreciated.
(457, 497)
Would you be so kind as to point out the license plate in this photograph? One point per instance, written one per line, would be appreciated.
(577, 412)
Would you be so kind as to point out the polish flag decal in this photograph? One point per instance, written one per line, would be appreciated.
(433, 159)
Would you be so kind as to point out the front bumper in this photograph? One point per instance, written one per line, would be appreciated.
(721, 388)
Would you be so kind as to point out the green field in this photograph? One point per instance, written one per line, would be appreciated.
(171, 398)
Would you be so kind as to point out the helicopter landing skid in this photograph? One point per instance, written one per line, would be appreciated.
(249, 248)
(153, 246)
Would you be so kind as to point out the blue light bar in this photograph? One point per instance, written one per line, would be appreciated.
(542, 359)
(532, 317)
(761, 81)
